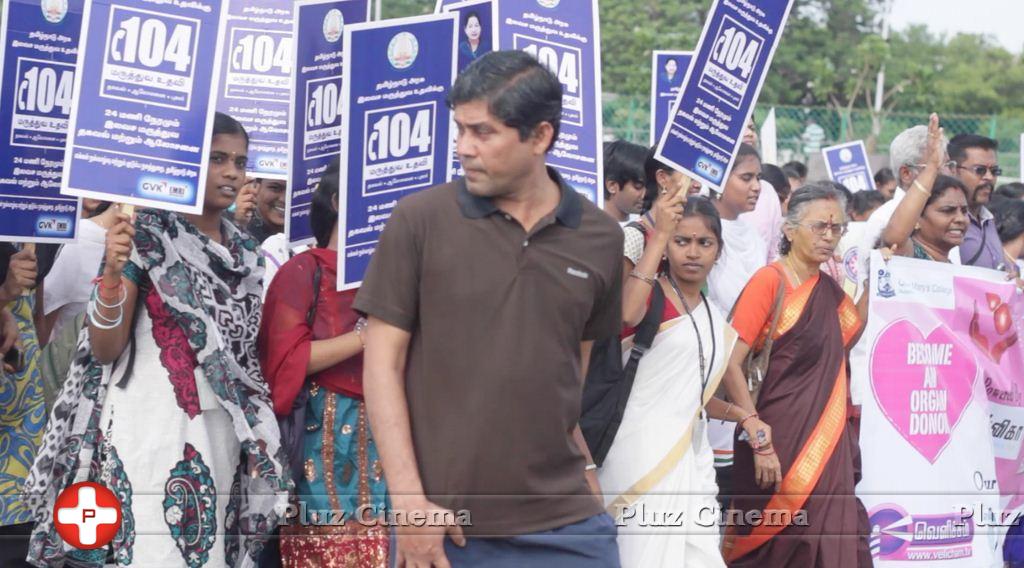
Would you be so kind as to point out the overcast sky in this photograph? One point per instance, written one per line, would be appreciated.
(1004, 19)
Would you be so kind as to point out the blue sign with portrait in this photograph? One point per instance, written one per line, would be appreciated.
(478, 26)
(396, 133)
(667, 71)
(316, 85)
(565, 37)
(38, 50)
(721, 87)
(146, 86)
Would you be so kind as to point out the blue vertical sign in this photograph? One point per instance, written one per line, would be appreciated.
(720, 89)
(255, 79)
(316, 85)
(396, 134)
(477, 29)
(38, 51)
(145, 84)
(565, 37)
(667, 71)
(848, 164)
(478, 34)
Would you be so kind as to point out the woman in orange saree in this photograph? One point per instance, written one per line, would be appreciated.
(794, 502)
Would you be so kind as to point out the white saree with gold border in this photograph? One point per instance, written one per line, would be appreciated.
(658, 478)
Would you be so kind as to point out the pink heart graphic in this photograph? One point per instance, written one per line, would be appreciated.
(924, 407)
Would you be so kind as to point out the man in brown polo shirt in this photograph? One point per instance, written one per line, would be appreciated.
(484, 296)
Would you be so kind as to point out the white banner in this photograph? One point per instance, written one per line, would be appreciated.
(940, 368)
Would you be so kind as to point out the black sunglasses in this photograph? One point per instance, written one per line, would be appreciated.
(980, 170)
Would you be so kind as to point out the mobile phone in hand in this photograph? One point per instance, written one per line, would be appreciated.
(15, 358)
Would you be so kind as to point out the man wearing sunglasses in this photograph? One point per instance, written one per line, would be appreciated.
(977, 165)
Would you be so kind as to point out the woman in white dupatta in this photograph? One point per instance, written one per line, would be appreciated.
(658, 477)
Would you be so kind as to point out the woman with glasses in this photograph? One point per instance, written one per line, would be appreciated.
(932, 218)
(801, 479)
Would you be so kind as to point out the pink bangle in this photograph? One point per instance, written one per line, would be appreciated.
(748, 417)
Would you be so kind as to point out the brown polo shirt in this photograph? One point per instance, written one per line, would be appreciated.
(493, 372)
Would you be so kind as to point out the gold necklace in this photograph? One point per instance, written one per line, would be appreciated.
(789, 263)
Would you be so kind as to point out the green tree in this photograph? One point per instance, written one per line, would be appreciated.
(823, 57)
(405, 8)
(632, 29)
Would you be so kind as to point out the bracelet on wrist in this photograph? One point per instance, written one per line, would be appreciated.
(643, 277)
(918, 186)
(359, 329)
(747, 417)
(590, 467)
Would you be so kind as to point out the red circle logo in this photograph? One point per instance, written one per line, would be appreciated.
(87, 515)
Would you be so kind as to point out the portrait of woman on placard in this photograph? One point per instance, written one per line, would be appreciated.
(476, 39)
(670, 74)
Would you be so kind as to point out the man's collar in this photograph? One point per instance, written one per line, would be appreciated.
(985, 215)
(569, 211)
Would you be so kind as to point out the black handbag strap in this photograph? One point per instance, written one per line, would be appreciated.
(642, 340)
(311, 314)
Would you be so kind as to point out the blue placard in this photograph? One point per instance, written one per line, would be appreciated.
(478, 34)
(565, 36)
(396, 138)
(255, 79)
(667, 71)
(848, 164)
(315, 131)
(720, 89)
(38, 50)
(146, 84)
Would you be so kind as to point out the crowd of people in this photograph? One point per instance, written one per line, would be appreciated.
(247, 413)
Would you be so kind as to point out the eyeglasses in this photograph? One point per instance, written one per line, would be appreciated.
(980, 170)
(821, 228)
(949, 166)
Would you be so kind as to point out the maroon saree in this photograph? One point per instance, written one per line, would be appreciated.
(815, 519)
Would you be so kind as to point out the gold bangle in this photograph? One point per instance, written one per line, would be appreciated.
(640, 276)
(917, 185)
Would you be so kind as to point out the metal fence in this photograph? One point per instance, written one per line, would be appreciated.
(628, 118)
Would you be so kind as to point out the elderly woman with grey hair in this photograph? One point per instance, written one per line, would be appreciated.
(803, 473)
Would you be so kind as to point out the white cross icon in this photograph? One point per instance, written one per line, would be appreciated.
(87, 515)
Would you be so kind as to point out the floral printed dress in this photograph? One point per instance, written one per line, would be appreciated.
(168, 449)
(185, 437)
